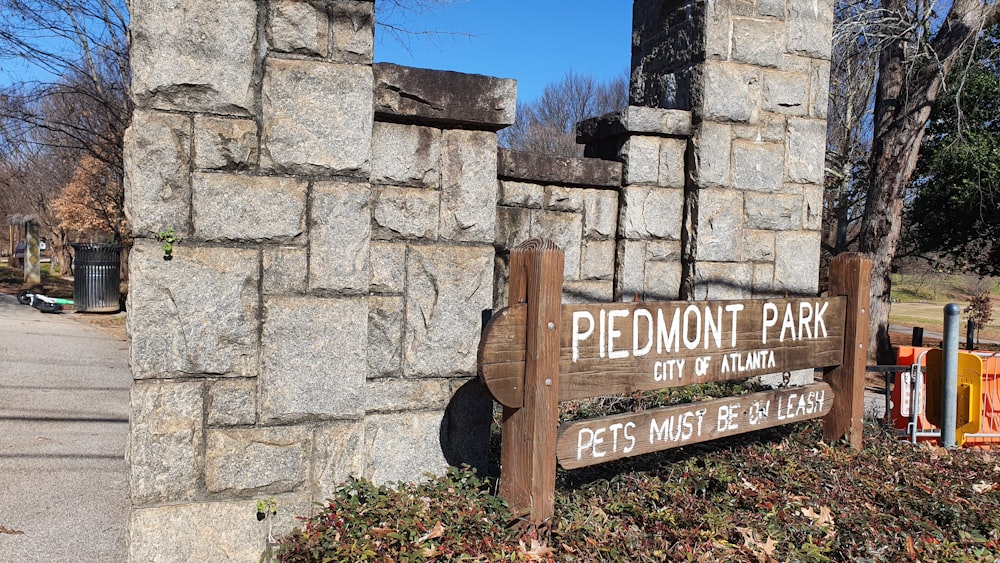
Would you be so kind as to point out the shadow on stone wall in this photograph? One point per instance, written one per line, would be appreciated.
(465, 428)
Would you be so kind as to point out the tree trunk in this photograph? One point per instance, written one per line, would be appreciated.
(905, 92)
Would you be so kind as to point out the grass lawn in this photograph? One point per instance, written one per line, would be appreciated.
(919, 300)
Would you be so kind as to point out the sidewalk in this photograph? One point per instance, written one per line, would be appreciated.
(63, 428)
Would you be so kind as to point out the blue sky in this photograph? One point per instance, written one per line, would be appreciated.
(535, 42)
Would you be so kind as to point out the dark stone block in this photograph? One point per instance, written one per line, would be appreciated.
(436, 97)
(544, 169)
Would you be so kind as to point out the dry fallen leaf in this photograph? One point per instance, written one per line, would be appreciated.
(5, 530)
(824, 519)
(981, 488)
(910, 549)
(436, 532)
(433, 551)
(538, 551)
(763, 550)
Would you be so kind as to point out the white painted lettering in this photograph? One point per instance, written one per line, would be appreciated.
(805, 317)
(596, 441)
(701, 365)
(614, 333)
(688, 343)
(713, 329)
(600, 344)
(665, 339)
(581, 335)
(642, 314)
(627, 432)
(818, 322)
(734, 308)
(788, 323)
(770, 318)
(582, 443)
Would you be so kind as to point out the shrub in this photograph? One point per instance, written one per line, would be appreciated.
(452, 517)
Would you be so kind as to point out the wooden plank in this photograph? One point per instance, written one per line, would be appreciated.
(527, 452)
(850, 276)
(600, 440)
(618, 348)
(501, 355)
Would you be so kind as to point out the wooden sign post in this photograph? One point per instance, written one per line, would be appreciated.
(537, 352)
(528, 450)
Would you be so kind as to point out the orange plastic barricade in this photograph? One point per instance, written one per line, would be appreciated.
(908, 409)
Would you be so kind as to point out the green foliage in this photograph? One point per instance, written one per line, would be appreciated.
(956, 209)
(453, 517)
(169, 239)
(781, 496)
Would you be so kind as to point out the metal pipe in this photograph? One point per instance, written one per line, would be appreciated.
(949, 385)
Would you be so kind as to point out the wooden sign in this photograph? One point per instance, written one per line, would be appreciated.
(538, 352)
(618, 348)
(599, 440)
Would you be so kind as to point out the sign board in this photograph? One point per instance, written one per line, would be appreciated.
(599, 440)
(618, 348)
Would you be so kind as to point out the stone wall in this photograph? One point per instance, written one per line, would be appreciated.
(346, 226)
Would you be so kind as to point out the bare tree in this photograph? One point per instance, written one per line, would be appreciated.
(548, 125)
(849, 120)
(918, 43)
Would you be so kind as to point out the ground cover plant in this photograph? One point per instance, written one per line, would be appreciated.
(780, 495)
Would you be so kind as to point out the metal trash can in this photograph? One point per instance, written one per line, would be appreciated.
(97, 277)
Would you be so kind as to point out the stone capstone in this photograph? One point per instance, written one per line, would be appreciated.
(546, 169)
(443, 97)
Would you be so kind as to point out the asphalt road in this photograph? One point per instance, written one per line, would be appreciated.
(64, 388)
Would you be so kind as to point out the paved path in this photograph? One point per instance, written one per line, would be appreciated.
(63, 428)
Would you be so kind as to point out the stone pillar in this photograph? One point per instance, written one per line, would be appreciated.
(251, 139)
(32, 257)
(651, 143)
(434, 176)
(755, 76)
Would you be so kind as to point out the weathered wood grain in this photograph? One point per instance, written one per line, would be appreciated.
(600, 440)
